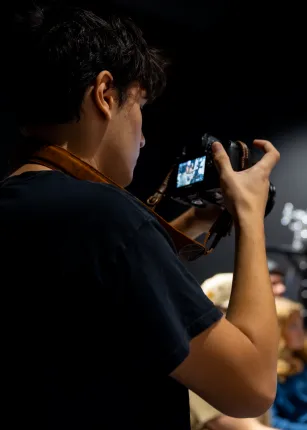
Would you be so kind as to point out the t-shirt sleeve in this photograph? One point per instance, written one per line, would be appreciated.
(167, 305)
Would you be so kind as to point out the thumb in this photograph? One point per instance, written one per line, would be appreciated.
(221, 158)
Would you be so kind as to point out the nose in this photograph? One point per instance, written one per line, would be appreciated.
(142, 144)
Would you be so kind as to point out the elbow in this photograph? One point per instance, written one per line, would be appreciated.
(264, 402)
(252, 401)
(266, 392)
(270, 395)
(256, 407)
(259, 401)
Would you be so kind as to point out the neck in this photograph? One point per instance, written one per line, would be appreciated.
(82, 141)
(29, 167)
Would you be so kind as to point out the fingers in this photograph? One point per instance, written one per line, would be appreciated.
(271, 156)
(221, 158)
(267, 163)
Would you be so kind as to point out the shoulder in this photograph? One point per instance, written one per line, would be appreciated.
(109, 212)
(127, 217)
(104, 217)
(116, 205)
(94, 200)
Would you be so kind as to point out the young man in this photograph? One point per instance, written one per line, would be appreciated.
(98, 309)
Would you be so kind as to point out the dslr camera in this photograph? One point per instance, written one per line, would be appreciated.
(195, 180)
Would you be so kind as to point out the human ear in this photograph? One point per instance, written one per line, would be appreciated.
(104, 93)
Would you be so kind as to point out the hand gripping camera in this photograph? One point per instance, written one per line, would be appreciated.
(194, 181)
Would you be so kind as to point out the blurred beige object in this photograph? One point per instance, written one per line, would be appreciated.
(201, 412)
(218, 289)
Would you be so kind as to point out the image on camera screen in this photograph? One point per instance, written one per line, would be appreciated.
(191, 171)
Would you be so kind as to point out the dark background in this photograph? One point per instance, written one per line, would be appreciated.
(238, 71)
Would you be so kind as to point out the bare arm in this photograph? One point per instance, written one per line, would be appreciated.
(233, 364)
(252, 307)
(194, 222)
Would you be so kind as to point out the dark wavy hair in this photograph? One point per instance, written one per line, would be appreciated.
(58, 51)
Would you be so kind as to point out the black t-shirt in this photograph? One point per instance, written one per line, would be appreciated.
(97, 308)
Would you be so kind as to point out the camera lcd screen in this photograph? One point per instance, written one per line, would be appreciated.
(191, 171)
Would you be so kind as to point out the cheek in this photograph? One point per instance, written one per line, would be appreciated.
(137, 123)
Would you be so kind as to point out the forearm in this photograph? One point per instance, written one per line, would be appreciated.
(252, 306)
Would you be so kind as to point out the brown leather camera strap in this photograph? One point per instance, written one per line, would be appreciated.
(57, 158)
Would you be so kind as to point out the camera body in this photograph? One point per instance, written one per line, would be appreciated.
(195, 180)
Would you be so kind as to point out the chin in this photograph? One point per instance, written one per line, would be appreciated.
(120, 176)
(126, 180)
